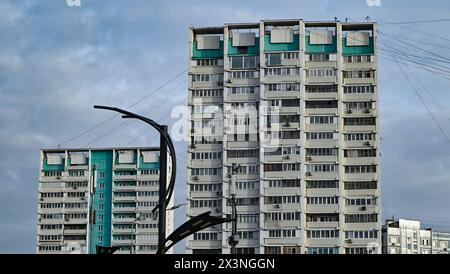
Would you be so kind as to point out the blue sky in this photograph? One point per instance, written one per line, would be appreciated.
(57, 61)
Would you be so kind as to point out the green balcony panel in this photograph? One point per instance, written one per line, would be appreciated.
(324, 48)
(250, 50)
(207, 53)
(143, 165)
(47, 167)
(357, 50)
(281, 46)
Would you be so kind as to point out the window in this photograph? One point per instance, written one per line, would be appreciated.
(321, 57)
(321, 152)
(282, 87)
(359, 105)
(322, 234)
(360, 169)
(208, 62)
(322, 218)
(242, 62)
(322, 120)
(322, 72)
(207, 92)
(273, 59)
(321, 136)
(322, 168)
(359, 89)
(285, 71)
(360, 185)
(361, 218)
(244, 74)
(285, 233)
(360, 201)
(284, 183)
(359, 74)
(359, 136)
(357, 59)
(320, 88)
(102, 185)
(101, 174)
(366, 234)
(360, 153)
(323, 250)
(322, 200)
(322, 184)
(360, 121)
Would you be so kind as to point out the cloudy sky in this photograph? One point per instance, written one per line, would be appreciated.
(57, 61)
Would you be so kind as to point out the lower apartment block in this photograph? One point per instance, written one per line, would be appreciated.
(99, 197)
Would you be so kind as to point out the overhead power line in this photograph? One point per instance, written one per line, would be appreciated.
(132, 105)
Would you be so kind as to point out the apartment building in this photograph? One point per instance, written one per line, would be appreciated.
(404, 236)
(99, 197)
(293, 104)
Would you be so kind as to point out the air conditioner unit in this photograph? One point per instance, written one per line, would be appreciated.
(192, 130)
(41, 199)
(392, 244)
(193, 146)
(287, 157)
(83, 198)
(218, 210)
(363, 208)
(219, 193)
(58, 177)
(269, 125)
(308, 173)
(308, 158)
(367, 110)
(367, 143)
(349, 111)
(349, 241)
(220, 83)
(287, 124)
(229, 81)
(74, 187)
(195, 178)
(277, 206)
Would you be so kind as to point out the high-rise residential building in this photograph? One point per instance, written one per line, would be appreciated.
(293, 105)
(408, 237)
(99, 197)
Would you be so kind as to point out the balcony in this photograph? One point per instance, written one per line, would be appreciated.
(280, 78)
(318, 80)
(241, 97)
(123, 220)
(322, 192)
(360, 160)
(199, 244)
(322, 225)
(322, 111)
(126, 188)
(282, 241)
(333, 208)
(123, 209)
(321, 127)
(322, 159)
(321, 95)
(290, 158)
(321, 64)
(206, 70)
(269, 191)
(356, 81)
(360, 144)
(321, 143)
(321, 176)
(118, 177)
(243, 144)
(282, 174)
(210, 84)
(281, 94)
(124, 198)
(75, 231)
(361, 176)
(238, 82)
